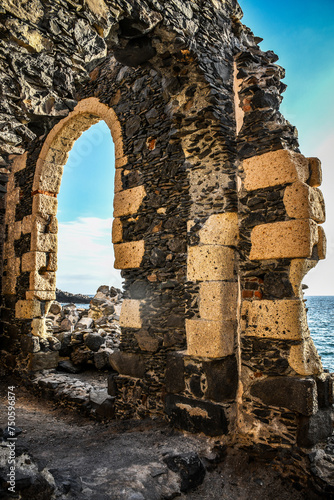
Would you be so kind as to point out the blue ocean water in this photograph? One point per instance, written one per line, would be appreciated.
(320, 317)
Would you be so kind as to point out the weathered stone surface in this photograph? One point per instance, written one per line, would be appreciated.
(174, 375)
(315, 428)
(210, 262)
(303, 202)
(277, 319)
(280, 240)
(128, 202)
(315, 179)
(43, 360)
(275, 168)
(196, 416)
(211, 339)
(220, 229)
(129, 255)
(296, 394)
(221, 378)
(117, 231)
(147, 341)
(130, 314)
(28, 309)
(218, 300)
(126, 363)
(304, 358)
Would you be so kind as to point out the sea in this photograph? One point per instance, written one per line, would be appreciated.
(320, 315)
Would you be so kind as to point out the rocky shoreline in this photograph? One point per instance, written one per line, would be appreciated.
(85, 337)
(72, 298)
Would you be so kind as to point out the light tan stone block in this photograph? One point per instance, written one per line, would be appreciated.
(275, 168)
(118, 180)
(38, 327)
(298, 269)
(28, 309)
(44, 205)
(130, 314)
(276, 319)
(322, 243)
(56, 156)
(210, 263)
(127, 202)
(304, 358)
(17, 230)
(220, 229)
(120, 161)
(44, 242)
(41, 295)
(32, 261)
(27, 224)
(129, 255)
(315, 179)
(52, 262)
(44, 282)
(117, 231)
(304, 202)
(287, 239)
(210, 339)
(218, 300)
(51, 176)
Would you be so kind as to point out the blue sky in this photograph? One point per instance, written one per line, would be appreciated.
(302, 34)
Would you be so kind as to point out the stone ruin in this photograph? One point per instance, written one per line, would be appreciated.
(216, 212)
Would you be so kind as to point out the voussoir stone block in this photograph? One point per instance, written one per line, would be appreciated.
(304, 202)
(210, 262)
(127, 202)
(218, 300)
(277, 319)
(220, 229)
(286, 239)
(130, 314)
(44, 205)
(275, 168)
(129, 255)
(210, 339)
(50, 179)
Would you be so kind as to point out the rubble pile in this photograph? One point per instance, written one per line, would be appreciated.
(87, 337)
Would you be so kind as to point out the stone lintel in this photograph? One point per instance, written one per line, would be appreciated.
(275, 168)
(286, 239)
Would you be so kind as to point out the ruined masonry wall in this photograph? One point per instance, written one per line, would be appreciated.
(216, 212)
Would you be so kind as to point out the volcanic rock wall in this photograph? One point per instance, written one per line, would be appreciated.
(216, 211)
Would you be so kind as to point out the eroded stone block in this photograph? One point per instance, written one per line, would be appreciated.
(126, 363)
(50, 178)
(211, 339)
(293, 393)
(28, 309)
(117, 231)
(304, 202)
(44, 282)
(315, 179)
(220, 229)
(38, 327)
(32, 261)
(304, 358)
(130, 314)
(316, 428)
(127, 202)
(286, 239)
(277, 319)
(275, 168)
(322, 243)
(129, 255)
(298, 269)
(218, 300)
(44, 242)
(210, 262)
(44, 205)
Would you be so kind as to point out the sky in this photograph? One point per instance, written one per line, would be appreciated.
(301, 33)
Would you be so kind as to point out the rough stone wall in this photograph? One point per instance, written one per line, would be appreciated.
(216, 211)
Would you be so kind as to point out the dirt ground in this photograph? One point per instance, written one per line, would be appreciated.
(124, 460)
